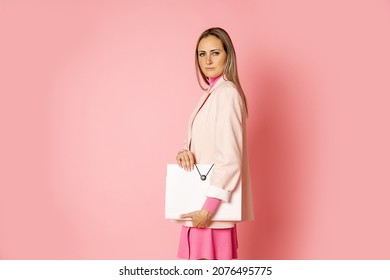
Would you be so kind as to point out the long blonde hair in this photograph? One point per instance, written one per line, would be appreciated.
(230, 70)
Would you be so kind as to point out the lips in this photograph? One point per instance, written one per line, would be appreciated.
(210, 68)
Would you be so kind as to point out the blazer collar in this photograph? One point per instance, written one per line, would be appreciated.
(218, 83)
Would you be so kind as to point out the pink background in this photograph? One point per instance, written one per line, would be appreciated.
(95, 97)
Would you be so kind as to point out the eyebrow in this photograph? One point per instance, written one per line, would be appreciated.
(213, 50)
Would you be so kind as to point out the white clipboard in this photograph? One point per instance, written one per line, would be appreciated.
(186, 192)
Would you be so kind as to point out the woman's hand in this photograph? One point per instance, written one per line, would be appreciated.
(200, 218)
(185, 159)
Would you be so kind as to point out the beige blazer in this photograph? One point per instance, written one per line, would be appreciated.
(217, 134)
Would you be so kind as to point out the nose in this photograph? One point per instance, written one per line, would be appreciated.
(208, 59)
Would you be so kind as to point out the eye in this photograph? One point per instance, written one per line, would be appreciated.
(215, 53)
(201, 54)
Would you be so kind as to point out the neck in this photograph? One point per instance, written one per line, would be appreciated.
(212, 81)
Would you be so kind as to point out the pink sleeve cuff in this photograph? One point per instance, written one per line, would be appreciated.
(211, 204)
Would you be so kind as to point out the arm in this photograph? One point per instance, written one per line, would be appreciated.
(227, 166)
(228, 145)
(211, 204)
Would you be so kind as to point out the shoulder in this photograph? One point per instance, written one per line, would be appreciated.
(227, 86)
(227, 91)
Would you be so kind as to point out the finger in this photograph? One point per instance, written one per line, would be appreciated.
(186, 161)
(199, 221)
(178, 160)
(192, 160)
(196, 224)
(196, 221)
(181, 159)
(206, 223)
(204, 218)
(202, 224)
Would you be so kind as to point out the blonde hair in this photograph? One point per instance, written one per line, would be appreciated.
(230, 70)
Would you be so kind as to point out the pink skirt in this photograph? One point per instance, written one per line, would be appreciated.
(208, 243)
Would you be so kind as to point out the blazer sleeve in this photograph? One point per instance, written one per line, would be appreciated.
(184, 147)
(228, 145)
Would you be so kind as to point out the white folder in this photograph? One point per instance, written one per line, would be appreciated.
(186, 192)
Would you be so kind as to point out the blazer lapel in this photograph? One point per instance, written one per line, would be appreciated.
(193, 115)
(202, 100)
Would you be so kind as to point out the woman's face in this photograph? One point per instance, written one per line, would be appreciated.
(211, 56)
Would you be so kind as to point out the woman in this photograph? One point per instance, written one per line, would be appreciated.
(216, 134)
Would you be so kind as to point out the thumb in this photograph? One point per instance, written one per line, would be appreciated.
(188, 215)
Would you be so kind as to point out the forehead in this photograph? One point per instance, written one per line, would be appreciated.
(210, 42)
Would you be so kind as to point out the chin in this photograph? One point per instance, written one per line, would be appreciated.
(208, 75)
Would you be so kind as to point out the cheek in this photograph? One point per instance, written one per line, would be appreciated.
(222, 62)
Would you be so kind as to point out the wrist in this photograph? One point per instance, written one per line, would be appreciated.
(211, 204)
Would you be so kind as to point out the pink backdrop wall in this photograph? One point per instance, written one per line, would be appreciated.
(95, 97)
